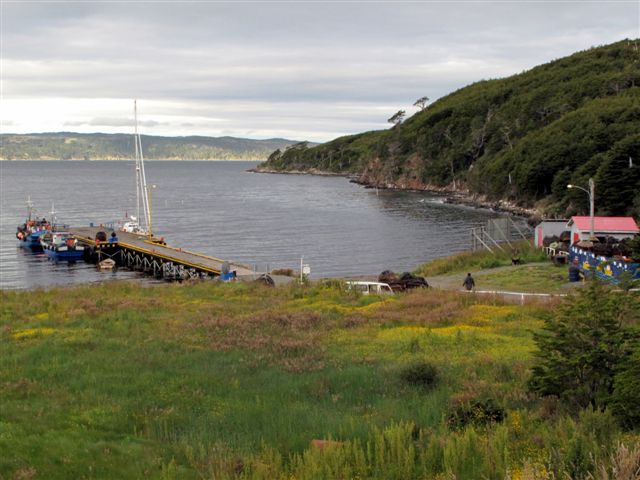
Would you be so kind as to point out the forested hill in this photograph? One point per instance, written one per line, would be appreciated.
(102, 146)
(521, 139)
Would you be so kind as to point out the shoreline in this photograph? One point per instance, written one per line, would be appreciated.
(312, 171)
(451, 196)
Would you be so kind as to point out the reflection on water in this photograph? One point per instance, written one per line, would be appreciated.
(219, 209)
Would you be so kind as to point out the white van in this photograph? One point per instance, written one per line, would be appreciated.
(366, 288)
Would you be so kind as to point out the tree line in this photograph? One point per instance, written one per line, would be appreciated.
(521, 138)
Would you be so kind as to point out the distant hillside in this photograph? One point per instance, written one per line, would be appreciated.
(520, 139)
(102, 146)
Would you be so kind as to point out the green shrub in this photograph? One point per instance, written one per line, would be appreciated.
(423, 375)
(475, 412)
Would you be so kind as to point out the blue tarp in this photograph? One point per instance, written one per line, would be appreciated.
(604, 268)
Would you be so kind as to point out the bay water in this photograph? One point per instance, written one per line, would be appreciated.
(220, 209)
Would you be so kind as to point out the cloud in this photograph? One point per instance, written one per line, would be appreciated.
(112, 122)
(327, 68)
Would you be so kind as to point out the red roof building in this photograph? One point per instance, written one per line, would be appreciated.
(618, 227)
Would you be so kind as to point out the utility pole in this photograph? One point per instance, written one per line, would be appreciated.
(592, 196)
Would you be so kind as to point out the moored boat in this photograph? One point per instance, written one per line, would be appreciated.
(106, 264)
(61, 246)
(29, 233)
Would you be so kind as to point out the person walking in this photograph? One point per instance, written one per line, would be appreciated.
(469, 283)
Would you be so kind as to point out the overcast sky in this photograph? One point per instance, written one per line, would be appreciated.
(294, 69)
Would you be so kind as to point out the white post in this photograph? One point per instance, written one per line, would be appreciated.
(301, 260)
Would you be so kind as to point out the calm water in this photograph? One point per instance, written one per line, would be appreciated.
(219, 209)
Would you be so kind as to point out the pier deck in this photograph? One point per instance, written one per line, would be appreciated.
(140, 249)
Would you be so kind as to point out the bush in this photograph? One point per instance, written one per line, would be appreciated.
(476, 412)
(423, 375)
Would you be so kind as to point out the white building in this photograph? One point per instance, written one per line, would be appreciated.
(617, 227)
(549, 228)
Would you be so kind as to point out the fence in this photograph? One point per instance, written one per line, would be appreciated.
(604, 268)
(498, 231)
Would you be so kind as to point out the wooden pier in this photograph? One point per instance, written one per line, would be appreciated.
(152, 255)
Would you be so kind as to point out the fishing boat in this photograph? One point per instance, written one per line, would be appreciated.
(61, 246)
(29, 233)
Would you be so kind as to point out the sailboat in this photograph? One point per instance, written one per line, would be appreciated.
(132, 223)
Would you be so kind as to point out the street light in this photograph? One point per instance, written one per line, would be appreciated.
(591, 193)
(150, 196)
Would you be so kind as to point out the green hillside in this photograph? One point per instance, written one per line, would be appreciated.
(521, 138)
(101, 146)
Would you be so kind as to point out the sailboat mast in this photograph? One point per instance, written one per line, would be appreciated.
(141, 178)
(135, 141)
(144, 193)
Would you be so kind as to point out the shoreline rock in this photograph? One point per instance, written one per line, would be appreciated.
(311, 171)
(453, 196)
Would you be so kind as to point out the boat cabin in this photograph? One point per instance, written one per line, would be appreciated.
(59, 239)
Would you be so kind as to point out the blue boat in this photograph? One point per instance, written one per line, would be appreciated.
(61, 246)
(29, 233)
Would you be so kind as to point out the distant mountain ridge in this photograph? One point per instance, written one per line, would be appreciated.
(120, 146)
(515, 141)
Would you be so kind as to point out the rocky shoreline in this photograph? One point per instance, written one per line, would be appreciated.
(311, 171)
(454, 196)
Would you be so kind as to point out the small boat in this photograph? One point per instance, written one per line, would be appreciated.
(61, 246)
(29, 233)
(106, 264)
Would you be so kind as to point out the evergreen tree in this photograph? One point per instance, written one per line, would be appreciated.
(581, 349)
(618, 179)
(626, 396)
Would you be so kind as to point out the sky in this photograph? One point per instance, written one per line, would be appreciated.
(303, 70)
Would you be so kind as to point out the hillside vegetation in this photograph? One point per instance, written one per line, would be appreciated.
(521, 139)
(102, 146)
(209, 380)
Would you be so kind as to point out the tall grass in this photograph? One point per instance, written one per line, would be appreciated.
(235, 381)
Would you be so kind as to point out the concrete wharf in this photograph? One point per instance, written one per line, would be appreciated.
(153, 255)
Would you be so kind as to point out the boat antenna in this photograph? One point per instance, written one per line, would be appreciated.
(29, 207)
(53, 215)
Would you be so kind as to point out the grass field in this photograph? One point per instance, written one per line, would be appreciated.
(481, 259)
(235, 381)
(536, 278)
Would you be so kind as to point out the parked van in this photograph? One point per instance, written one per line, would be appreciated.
(374, 288)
